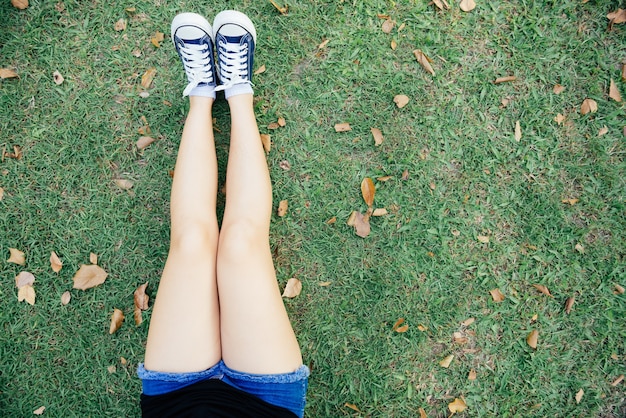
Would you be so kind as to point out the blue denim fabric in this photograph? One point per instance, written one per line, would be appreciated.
(287, 390)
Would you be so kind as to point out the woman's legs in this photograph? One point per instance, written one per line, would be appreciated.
(255, 331)
(184, 333)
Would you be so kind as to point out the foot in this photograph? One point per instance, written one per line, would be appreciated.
(193, 39)
(235, 39)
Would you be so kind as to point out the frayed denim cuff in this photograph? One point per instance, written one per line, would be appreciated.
(301, 373)
(158, 383)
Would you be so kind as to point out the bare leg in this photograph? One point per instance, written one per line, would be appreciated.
(256, 333)
(184, 333)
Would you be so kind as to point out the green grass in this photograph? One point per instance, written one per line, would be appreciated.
(79, 136)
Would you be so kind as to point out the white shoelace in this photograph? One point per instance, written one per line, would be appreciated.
(233, 65)
(197, 66)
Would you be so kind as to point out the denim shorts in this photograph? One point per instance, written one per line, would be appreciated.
(287, 390)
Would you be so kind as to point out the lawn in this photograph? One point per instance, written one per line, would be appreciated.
(472, 205)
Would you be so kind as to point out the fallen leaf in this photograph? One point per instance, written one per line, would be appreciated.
(384, 178)
(58, 78)
(352, 218)
(543, 289)
(379, 212)
(619, 290)
(124, 184)
(459, 338)
(422, 328)
(471, 375)
(284, 164)
(483, 238)
(614, 356)
(147, 77)
(144, 141)
(468, 322)
(403, 328)
(393, 44)
(361, 224)
(368, 191)
(424, 61)
(506, 79)
(331, 220)
(324, 284)
(116, 320)
(559, 118)
(27, 293)
(558, 89)
(282, 10)
(405, 174)
(378, 136)
(1, 193)
(618, 380)
(353, 407)
(20, 4)
(16, 257)
(293, 288)
(532, 338)
(579, 395)
(157, 38)
(467, 5)
(137, 316)
(120, 25)
(497, 295)
(66, 297)
(441, 4)
(458, 405)
(112, 369)
(24, 278)
(282, 122)
(140, 297)
(7, 73)
(568, 304)
(422, 413)
(456, 232)
(273, 125)
(260, 70)
(93, 258)
(388, 26)
(55, 262)
(282, 208)
(397, 324)
(617, 17)
(445, 363)
(578, 247)
(89, 276)
(323, 44)
(39, 410)
(266, 140)
(588, 106)
(342, 127)
(614, 92)
(518, 131)
(400, 100)
(624, 71)
(603, 131)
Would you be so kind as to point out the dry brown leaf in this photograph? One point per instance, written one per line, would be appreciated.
(7, 73)
(116, 320)
(39, 410)
(614, 92)
(379, 212)
(24, 278)
(534, 318)
(399, 322)
(331, 220)
(1, 193)
(518, 131)
(353, 407)
(283, 205)
(403, 328)
(558, 89)
(124, 184)
(618, 380)
(624, 71)
(579, 247)
(66, 297)
(422, 413)
(579, 395)
(619, 290)
(422, 328)
(93, 258)
(352, 218)
(260, 70)
(55, 262)
(20, 4)
(424, 61)
(400, 100)
(483, 238)
(467, 5)
(368, 191)
(506, 79)
(342, 127)
(388, 25)
(120, 25)
(361, 224)
(497, 295)
(394, 44)
(588, 106)
(27, 293)
(293, 288)
(441, 4)
(570, 201)
(16, 257)
(617, 17)
(89, 276)
(273, 125)
(266, 140)
(603, 131)
(147, 77)
(458, 405)
(471, 375)
(112, 369)
(282, 122)
(137, 316)
(140, 297)
(282, 10)
(58, 78)
(568, 304)
(543, 289)
(559, 118)
(378, 136)
(144, 141)
(532, 338)
(445, 363)
(324, 284)
(323, 44)
(384, 178)
(157, 38)
(405, 174)
(460, 338)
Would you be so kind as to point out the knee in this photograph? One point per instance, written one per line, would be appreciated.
(240, 238)
(195, 240)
